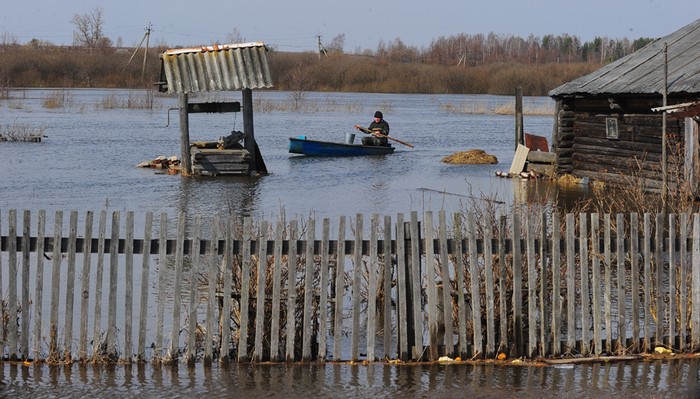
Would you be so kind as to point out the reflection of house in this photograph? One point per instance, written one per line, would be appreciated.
(228, 67)
(606, 128)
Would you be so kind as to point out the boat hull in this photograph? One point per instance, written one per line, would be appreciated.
(317, 148)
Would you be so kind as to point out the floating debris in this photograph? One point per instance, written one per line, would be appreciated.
(170, 164)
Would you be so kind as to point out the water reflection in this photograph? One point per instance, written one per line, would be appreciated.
(674, 378)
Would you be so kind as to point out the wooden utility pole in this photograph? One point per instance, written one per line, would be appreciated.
(145, 52)
(664, 185)
(321, 50)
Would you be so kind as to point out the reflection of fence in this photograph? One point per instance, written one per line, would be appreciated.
(570, 297)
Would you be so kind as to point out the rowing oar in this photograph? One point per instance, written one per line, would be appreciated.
(379, 134)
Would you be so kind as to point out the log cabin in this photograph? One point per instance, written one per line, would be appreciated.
(609, 124)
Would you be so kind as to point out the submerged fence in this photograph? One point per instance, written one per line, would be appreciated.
(224, 289)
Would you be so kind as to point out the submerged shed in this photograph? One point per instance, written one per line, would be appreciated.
(229, 67)
(609, 125)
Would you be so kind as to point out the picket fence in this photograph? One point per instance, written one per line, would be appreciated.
(226, 289)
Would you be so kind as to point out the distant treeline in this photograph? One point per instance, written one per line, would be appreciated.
(461, 64)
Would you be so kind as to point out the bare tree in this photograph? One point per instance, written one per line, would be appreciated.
(336, 45)
(89, 29)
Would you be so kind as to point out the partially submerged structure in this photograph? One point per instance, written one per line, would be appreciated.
(229, 67)
(609, 123)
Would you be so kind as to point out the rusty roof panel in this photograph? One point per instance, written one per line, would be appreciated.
(642, 72)
(228, 67)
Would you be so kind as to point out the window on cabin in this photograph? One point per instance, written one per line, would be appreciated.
(611, 131)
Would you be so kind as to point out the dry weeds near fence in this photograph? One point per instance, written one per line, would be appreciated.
(396, 288)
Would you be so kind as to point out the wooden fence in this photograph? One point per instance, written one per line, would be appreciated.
(527, 286)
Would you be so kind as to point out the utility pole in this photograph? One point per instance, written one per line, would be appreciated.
(321, 50)
(145, 38)
(145, 52)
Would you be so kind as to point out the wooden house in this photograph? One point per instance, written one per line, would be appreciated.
(609, 124)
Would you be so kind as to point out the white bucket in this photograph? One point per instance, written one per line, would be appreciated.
(349, 138)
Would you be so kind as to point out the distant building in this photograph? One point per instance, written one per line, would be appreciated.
(609, 124)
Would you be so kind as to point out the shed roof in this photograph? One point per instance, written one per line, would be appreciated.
(642, 72)
(227, 67)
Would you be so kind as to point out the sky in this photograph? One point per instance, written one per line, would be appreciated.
(294, 25)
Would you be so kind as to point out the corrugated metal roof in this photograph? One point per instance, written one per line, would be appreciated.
(228, 67)
(642, 72)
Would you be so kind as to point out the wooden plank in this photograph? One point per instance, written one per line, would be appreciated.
(227, 281)
(55, 289)
(490, 352)
(39, 286)
(129, 289)
(356, 290)
(517, 348)
(607, 292)
(276, 293)
(402, 306)
(99, 283)
(111, 337)
(416, 279)
(12, 339)
(212, 274)
(634, 274)
(596, 282)
(70, 285)
(672, 264)
(647, 283)
(145, 280)
(260, 291)
(459, 276)
(683, 278)
(323, 295)
(543, 287)
(174, 351)
(621, 297)
(585, 286)
(372, 287)
(519, 160)
(695, 288)
(475, 289)
(433, 322)
(24, 338)
(658, 283)
(556, 285)
(162, 275)
(447, 287)
(85, 287)
(291, 290)
(339, 291)
(245, 289)
(309, 291)
(531, 287)
(191, 354)
(387, 270)
(570, 283)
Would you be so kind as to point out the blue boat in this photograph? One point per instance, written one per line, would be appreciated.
(302, 145)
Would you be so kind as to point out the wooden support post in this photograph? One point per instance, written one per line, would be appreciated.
(248, 130)
(519, 136)
(185, 162)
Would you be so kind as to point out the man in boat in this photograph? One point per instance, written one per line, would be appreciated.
(378, 128)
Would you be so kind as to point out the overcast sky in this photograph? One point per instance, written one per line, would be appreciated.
(293, 25)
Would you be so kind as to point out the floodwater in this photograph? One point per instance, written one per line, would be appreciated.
(88, 162)
(658, 379)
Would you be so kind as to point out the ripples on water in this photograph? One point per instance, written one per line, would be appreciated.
(668, 379)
